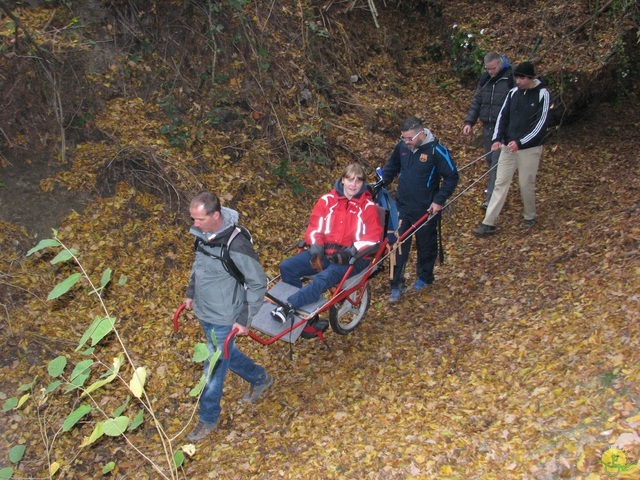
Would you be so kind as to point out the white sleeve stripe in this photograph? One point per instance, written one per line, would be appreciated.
(544, 96)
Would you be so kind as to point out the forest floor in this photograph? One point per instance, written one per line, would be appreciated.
(521, 362)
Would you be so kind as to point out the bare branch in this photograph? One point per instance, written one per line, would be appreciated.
(18, 23)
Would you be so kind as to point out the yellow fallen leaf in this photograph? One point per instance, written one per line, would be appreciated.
(189, 449)
(136, 385)
(446, 470)
(23, 399)
(634, 419)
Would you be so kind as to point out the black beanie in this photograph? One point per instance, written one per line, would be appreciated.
(525, 69)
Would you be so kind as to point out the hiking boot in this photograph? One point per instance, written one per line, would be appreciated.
(201, 430)
(281, 314)
(530, 223)
(256, 391)
(420, 284)
(484, 229)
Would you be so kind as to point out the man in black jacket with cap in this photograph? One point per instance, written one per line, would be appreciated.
(520, 131)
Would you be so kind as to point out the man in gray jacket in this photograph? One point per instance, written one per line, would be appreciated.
(493, 86)
(222, 302)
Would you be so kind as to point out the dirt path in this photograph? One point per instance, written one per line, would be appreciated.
(22, 201)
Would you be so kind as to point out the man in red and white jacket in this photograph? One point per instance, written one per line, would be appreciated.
(343, 222)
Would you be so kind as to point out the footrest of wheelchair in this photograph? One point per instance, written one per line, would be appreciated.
(264, 322)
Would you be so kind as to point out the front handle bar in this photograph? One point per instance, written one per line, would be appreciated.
(232, 333)
(176, 315)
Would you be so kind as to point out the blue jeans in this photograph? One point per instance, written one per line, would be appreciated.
(237, 362)
(294, 268)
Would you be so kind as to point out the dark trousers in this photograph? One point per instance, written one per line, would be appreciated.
(427, 245)
(492, 160)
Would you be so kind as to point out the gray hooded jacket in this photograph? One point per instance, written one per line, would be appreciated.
(218, 297)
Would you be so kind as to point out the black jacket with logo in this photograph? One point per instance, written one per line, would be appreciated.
(420, 172)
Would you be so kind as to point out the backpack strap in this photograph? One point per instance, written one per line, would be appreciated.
(229, 265)
(225, 257)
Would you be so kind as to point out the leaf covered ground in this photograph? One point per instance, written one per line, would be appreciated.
(520, 362)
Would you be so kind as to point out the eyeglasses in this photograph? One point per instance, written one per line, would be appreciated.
(407, 140)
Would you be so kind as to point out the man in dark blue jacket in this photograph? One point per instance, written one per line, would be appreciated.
(427, 176)
(493, 87)
(520, 132)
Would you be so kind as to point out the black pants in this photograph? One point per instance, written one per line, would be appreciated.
(427, 244)
(492, 160)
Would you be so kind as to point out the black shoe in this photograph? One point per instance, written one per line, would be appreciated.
(484, 205)
(320, 324)
(484, 229)
(314, 328)
(281, 314)
(530, 223)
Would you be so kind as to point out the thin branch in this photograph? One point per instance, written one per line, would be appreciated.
(18, 23)
(590, 19)
(6, 138)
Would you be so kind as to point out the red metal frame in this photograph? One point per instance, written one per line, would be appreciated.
(176, 315)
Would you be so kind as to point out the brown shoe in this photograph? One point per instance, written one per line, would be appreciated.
(201, 430)
(257, 390)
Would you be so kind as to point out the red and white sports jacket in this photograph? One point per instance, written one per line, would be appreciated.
(337, 222)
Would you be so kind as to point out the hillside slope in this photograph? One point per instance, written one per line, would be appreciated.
(520, 362)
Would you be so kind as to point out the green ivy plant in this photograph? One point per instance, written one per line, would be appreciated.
(127, 380)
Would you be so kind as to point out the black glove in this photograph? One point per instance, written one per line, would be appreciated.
(315, 256)
(342, 257)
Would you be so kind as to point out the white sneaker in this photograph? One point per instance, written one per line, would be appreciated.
(279, 315)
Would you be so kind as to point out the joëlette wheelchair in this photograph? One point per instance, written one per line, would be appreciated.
(346, 303)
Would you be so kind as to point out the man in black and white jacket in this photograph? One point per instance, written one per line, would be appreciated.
(520, 131)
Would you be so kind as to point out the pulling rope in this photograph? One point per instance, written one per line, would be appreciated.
(476, 180)
(399, 243)
(474, 161)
